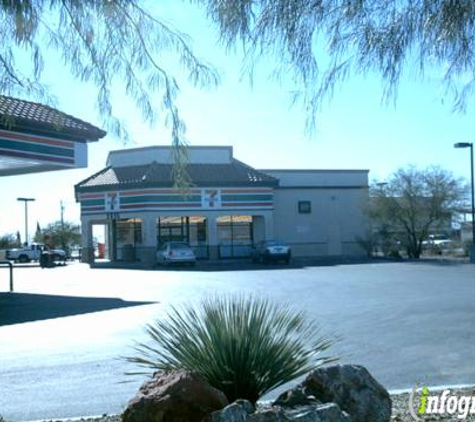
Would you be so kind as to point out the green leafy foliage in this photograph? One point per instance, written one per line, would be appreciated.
(243, 346)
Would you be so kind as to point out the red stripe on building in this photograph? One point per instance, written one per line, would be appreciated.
(86, 208)
(91, 195)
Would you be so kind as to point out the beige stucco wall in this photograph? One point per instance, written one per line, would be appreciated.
(337, 217)
(333, 226)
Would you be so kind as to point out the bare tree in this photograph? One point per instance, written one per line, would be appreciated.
(322, 42)
(414, 203)
(107, 44)
(63, 234)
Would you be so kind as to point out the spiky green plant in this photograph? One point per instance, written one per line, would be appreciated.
(243, 346)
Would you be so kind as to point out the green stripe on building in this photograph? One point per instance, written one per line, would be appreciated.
(92, 202)
(36, 148)
(147, 199)
(246, 198)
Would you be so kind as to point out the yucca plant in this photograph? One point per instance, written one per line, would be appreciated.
(243, 346)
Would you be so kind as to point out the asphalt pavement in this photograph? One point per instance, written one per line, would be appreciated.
(64, 330)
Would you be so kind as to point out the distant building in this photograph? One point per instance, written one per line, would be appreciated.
(230, 206)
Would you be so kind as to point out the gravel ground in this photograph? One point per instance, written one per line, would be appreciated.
(400, 412)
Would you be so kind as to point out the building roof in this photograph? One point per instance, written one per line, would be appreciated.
(234, 173)
(21, 115)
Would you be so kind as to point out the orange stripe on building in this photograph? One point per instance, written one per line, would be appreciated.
(91, 195)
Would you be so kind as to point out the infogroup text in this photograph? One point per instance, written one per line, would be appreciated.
(441, 403)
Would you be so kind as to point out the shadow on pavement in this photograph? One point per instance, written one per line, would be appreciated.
(16, 308)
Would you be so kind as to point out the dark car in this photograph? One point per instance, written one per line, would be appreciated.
(271, 251)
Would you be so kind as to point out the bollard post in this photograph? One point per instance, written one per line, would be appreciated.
(6, 262)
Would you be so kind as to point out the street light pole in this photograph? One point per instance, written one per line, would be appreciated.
(470, 145)
(26, 200)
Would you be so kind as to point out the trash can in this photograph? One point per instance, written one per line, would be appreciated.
(101, 250)
(46, 260)
(471, 253)
(128, 253)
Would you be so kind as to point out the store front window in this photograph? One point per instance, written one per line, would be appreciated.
(235, 236)
(191, 229)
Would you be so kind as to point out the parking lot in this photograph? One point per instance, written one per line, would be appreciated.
(64, 330)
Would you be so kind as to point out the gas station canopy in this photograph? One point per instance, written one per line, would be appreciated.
(35, 138)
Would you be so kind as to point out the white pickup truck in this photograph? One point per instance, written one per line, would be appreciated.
(33, 253)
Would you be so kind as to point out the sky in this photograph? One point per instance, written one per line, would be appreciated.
(354, 130)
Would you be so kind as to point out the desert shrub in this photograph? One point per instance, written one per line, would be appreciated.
(243, 346)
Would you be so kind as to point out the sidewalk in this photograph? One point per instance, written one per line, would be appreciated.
(243, 264)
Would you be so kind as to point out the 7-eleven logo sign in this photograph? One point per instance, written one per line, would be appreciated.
(211, 198)
(112, 202)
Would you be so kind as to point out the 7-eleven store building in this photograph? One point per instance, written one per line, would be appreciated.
(230, 207)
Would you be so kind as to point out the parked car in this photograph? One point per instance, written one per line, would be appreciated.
(175, 253)
(271, 250)
(75, 253)
(438, 240)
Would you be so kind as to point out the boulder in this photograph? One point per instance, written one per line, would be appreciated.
(235, 412)
(314, 413)
(174, 396)
(354, 390)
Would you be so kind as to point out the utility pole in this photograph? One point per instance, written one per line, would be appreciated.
(472, 246)
(62, 225)
(26, 200)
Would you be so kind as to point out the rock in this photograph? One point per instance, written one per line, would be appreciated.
(294, 397)
(235, 412)
(351, 387)
(313, 413)
(174, 396)
(273, 414)
(331, 412)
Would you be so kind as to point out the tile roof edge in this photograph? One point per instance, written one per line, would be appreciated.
(254, 169)
(90, 127)
(97, 173)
